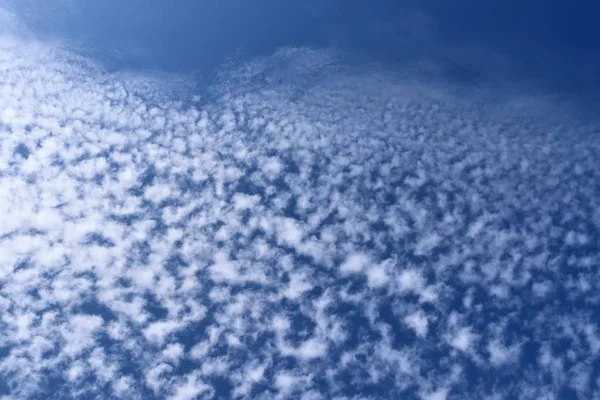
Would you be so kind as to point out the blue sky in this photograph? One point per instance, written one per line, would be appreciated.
(282, 200)
(550, 45)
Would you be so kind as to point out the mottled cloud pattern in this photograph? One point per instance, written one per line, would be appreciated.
(312, 231)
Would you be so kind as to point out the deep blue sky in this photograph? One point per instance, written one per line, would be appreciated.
(555, 44)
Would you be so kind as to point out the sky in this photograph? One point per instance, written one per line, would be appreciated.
(282, 200)
(550, 46)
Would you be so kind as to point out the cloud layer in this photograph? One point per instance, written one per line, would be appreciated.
(313, 231)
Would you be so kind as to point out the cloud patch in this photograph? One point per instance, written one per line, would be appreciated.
(357, 236)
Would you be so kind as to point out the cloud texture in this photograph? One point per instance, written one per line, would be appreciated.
(314, 230)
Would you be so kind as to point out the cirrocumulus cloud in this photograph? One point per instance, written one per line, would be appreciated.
(314, 230)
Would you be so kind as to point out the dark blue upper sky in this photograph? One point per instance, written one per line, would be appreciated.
(554, 44)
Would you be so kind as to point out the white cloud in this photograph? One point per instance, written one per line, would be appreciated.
(157, 332)
(289, 231)
(500, 354)
(79, 333)
(150, 247)
(123, 387)
(272, 167)
(297, 286)
(440, 394)
(244, 201)
(410, 281)
(190, 388)
(427, 243)
(155, 376)
(354, 263)
(173, 353)
(462, 340)
(224, 269)
(417, 321)
(288, 383)
(312, 348)
(377, 276)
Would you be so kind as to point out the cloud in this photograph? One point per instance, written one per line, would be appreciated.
(295, 235)
(463, 340)
(354, 263)
(417, 321)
